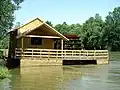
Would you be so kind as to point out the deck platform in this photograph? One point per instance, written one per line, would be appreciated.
(37, 57)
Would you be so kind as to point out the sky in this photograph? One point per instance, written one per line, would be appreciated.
(58, 11)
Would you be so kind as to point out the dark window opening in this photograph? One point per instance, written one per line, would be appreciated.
(36, 41)
(79, 62)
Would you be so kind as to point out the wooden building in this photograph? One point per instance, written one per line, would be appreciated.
(35, 35)
(74, 42)
(36, 43)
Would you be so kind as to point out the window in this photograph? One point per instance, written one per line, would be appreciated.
(36, 41)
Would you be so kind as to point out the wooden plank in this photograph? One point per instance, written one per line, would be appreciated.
(42, 53)
(52, 53)
(63, 56)
(42, 36)
(66, 53)
(90, 51)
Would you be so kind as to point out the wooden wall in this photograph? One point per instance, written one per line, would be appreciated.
(12, 44)
(43, 31)
(38, 62)
(46, 43)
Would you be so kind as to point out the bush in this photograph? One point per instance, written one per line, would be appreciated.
(1, 54)
(4, 73)
(2, 59)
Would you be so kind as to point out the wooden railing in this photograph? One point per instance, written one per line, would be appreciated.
(64, 54)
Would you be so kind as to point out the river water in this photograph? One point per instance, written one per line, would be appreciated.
(82, 77)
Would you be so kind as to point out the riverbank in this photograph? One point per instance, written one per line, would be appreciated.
(4, 72)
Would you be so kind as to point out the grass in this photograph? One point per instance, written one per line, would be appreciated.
(4, 72)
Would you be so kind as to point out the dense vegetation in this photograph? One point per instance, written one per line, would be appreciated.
(4, 72)
(96, 33)
(7, 9)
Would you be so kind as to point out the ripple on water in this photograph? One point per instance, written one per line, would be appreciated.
(86, 77)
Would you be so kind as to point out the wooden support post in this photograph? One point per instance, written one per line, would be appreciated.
(80, 54)
(94, 54)
(62, 48)
(87, 55)
(61, 44)
(32, 54)
(56, 54)
(65, 53)
(22, 42)
(48, 54)
(72, 52)
(40, 54)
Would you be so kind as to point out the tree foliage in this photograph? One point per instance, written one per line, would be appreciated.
(96, 33)
(75, 29)
(49, 23)
(112, 29)
(92, 32)
(63, 28)
(7, 9)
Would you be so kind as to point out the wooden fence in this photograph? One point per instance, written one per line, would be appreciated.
(64, 54)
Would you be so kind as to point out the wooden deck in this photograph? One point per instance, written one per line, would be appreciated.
(52, 54)
(64, 54)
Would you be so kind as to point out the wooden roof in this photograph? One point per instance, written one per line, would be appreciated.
(33, 25)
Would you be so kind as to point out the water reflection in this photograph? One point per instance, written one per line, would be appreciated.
(5, 84)
(38, 78)
(92, 77)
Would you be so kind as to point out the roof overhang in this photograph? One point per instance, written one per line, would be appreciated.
(43, 23)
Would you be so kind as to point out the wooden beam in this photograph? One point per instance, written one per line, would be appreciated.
(41, 36)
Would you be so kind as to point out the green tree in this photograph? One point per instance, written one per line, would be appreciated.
(75, 29)
(91, 34)
(111, 32)
(49, 23)
(7, 9)
(17, 25)
(63, 28)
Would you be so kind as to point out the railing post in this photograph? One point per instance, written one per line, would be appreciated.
(94, 54)
(56, 54)
(87, 54)
(32, 54)
(80, 54)
(62, 54)
(48, 54)
(40, 54)
(72, 52)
